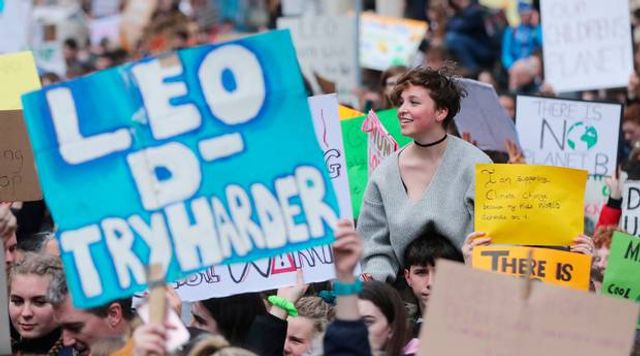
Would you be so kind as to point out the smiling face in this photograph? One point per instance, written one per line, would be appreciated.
(419, 117)
(30, 313)
(80, 329)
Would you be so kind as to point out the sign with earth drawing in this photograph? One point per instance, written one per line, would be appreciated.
(569, 133)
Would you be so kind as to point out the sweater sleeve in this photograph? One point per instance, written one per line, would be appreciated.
(507, 56)
(378, 258)
(347, 338)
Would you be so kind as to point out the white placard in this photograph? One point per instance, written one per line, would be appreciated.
(482, 116)
(324, 46)
(587, 44)
(569, 133)
(596, 195)
(14, 25)
(629, 221)
(326, 123)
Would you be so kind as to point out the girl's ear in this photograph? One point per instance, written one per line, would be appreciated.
(441, 114)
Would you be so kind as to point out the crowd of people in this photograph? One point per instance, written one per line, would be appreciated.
(418, 206)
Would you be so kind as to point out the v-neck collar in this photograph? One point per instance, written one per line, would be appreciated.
(402, 185)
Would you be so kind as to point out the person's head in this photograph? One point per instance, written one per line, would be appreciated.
(420, 261)
(10, 245)
(508, 103)
(602, 241)
(428, 100)
(82, 328)
(526, 11)
(436, 57)
(309, 326)
(384, 314)
(70, 49)
(29, 282)
(631, 123)
(40, 243)
(230, 316)
(459, 5)
(388, 80)
(215, 345)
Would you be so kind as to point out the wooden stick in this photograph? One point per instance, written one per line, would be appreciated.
(526, 291)
(157, 295)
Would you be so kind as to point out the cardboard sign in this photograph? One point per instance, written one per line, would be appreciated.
(355, 148)
(387, 41)
(630, 219)
(569, 133)
(621, 276)
(5, 337)
(380, 143)
(325, 48)
(520, 204)
(326, 124)
(563, 268)
(586, 44)
(595, 197)
(15, 16)
(483, 117)
(217, 165)
(473, 312)
(18, 178)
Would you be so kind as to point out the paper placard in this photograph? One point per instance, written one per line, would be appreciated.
(586, 44)
(386, 41)
(219, 165)
(15, 17)
(473, 312)
(623, 267)
(595, 197)
(569, 133)
(380, 143)
(630, 218)
(18, 179)
(326, 124)
(520, 204)
(482, 116)
(563, 268)
(325, 48)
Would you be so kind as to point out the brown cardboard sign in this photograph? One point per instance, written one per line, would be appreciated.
(18, 178)
(474, 312)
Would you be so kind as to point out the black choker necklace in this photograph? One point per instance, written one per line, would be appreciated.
(432, 143)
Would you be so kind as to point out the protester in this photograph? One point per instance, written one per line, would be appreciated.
(34, 330)
(8, 234)
(419, 269)
(230, 316)
(305, 331)
(521, 42)
(81, 328)
(429, 180)
(347, 334)
(466, 36)
(388, 81)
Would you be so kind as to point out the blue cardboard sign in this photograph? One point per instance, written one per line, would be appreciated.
(205, 156)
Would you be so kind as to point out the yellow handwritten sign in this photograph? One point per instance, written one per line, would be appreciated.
(563, 268)
(346, 113)
(522, 204)
(18, 75)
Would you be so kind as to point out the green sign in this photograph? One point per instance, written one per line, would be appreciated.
(622, 276)
(355, 150)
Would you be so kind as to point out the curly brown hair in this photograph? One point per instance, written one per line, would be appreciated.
(442, 86)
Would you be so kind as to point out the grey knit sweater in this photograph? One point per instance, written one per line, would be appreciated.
(389, 221)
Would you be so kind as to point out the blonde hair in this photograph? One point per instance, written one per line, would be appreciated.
(217, 345)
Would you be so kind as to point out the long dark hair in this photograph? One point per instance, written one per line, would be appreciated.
(387, 299)
(235, 314)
